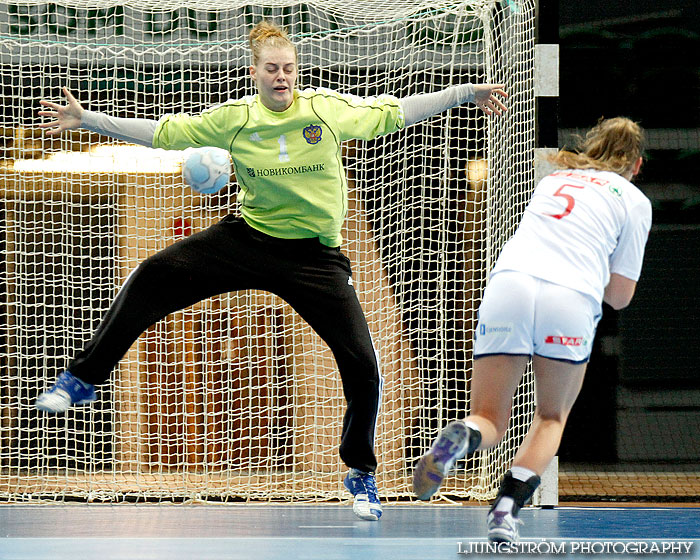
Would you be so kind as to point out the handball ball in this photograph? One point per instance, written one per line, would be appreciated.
(207, 170)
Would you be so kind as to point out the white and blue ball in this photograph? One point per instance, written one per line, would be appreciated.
(207, 170)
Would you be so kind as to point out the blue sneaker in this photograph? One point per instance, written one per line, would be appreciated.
(67, 391)
(362, 485)
(451, 445)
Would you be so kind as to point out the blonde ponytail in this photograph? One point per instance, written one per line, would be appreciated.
(612, 145)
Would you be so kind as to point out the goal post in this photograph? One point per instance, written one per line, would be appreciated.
(236, 397)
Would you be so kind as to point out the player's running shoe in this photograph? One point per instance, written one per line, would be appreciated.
(451, 445)
(67, 391)
(363, 487)
(503, 527)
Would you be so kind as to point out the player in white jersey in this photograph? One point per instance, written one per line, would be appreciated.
(286, 148)
(580, 242)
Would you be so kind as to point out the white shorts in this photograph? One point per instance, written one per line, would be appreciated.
(524, 315)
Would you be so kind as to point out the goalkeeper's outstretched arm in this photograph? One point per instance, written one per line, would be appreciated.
(485, 96)
(140, 131)
(67, 117)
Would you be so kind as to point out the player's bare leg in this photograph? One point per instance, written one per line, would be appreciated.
(557, 384)
(494, 382)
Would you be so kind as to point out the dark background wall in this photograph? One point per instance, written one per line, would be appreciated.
(640, 404)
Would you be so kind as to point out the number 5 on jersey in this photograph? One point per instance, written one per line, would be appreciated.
(570, 201)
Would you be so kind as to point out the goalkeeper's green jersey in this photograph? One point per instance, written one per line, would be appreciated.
(288, 164)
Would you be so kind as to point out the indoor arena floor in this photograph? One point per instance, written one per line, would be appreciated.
(328, 532)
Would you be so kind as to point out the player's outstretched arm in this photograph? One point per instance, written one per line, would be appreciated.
(488, 97)
(67, 117)
(64, 117)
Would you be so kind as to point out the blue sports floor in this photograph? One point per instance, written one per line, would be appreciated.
(329, 532)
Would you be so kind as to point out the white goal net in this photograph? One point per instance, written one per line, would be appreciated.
(235, 397)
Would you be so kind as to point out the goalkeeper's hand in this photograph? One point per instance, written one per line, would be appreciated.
(65, 117)
(485, 97)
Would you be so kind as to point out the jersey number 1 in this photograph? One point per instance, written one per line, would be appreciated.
(569, 201)
(284, 155)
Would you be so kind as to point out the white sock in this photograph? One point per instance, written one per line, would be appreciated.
(472, 425)
(521, 473)
(505, 504)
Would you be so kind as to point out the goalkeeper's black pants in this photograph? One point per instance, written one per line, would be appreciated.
(230, 255)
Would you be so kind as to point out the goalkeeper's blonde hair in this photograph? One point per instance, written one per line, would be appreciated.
(268, 34)
(612, 145)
